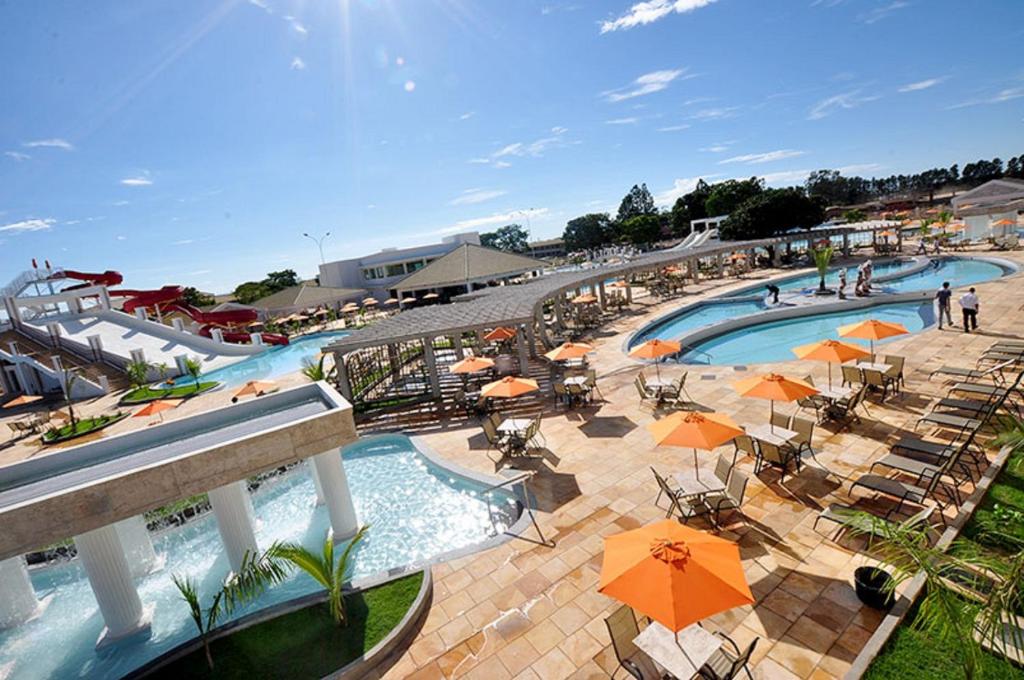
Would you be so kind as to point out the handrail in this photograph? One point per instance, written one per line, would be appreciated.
(521, 479)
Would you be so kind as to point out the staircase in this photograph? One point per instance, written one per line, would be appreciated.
(90, 370)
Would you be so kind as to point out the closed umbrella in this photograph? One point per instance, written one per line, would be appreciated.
(831, 351)
(694, 430)
(872, 329)
(774, 387)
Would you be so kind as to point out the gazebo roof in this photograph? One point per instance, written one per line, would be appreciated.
(469, 263)
(306, 296)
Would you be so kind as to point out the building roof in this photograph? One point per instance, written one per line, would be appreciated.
(468, 263)
(992, 191)
(306, 296)
(547, 242)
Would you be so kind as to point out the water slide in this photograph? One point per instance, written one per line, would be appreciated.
(168, 299)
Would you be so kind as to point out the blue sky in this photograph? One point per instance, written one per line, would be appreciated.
(194, 142)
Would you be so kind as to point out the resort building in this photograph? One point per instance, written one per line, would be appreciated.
(466, 268)
(306, 296)
(994, 201)
(381, 271)
(547, 249)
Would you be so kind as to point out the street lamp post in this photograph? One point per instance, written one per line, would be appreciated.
(319, 243)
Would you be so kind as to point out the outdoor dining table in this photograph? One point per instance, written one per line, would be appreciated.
(578, 380)
(691, 486)
(514, 426)
(773, 435)
(681, 654)
(880, 367)
(834, 393)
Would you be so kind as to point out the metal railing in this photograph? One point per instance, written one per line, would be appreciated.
(520, 480)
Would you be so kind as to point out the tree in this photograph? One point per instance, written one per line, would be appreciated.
(250, 291)
(194, 368)
(637, 202)
(315, 370)
(512, 238)
(640, 230)
(138, 373)
(690, 207)
(323, 569)
(276, 281)
(588, 232)
(727, 196)
(68, 378)
(771, 212)
(257, 573)
(822, 258)
(197, 298)
(855, 215)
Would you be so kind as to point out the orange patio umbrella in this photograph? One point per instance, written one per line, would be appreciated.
(391, 301)
(655, 349)
(500, 333)
(1003, 223)
(620, 283)
(256, 388)
(674, 574)
(585, 299)
(694, 430)
(508, 387)
(23, 400)
(872, 329)
(569, 350)
(370, 302)
(471, 365)
(157, 407)
(887, 233)
(774, 387)
(737, 256)
(832, 351)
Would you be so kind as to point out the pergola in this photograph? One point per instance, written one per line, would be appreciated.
(522, 307)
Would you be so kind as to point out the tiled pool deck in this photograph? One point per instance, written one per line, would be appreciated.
(522, 610)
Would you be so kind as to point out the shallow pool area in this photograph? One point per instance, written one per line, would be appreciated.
(959, 271)
(774, 340)
(811, 280)
(417, 511)
(702, 315)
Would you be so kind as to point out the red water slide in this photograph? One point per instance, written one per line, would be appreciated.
(107, 278)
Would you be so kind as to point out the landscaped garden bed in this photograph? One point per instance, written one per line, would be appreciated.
(81, 428)
(142, 395)
(305, 643)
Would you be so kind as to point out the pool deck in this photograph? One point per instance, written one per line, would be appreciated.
(521, 610)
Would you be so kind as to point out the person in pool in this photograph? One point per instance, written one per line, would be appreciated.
(773, 291)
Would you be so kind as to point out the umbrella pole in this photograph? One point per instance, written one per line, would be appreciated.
(675, 637)
(696, 468)
(830, 375)
(771, 420)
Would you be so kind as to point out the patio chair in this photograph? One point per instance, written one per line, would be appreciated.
(844, 410)
(578, 394)
(678, 505)
(561, 394)
(802, 443)
(780, 420)
(645, 396)
(731, 498)
(771, 454)
(727, 662)
(592, 383)
(746, 445)
(623, 629)
(814, 401)
(863, 522)
(851, 375)
(876, 380)
(723, 469)
(679, 387)
(905, 492)
(495, 439)
(896, 365)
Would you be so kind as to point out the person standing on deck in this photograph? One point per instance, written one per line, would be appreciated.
(969, 303)
(944, 297)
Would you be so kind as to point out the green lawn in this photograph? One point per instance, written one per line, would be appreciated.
(141, 395)
(306, 643)
(82, 427)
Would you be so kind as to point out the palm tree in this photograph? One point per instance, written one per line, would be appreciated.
(194, 368)
(323, 569)
(257, 573)
(68, 378)
(822, 258)
(138, 373)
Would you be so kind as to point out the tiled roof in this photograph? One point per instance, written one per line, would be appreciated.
(467, 263)
(307, 296)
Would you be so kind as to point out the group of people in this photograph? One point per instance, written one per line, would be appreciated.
(863, 286)
(969, 305)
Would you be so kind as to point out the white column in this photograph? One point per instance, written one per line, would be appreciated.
(337, 496)
(602, 296)
(457, 344)
(317, 485)
(233, 509)
(524, 355)
(431, 362)
(138, 546)
(111, 581)
(18, 601)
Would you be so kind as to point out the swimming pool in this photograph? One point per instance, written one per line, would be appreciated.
(700, 316)
(774, 340)
(416, 509)
(273, 363)
(960, 272)
(812, 279)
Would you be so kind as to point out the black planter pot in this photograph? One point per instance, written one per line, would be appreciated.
(873, 586)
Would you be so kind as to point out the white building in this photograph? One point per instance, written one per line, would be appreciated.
(983, 206)
(380, 272)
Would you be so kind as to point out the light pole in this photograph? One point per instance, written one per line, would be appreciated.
(319, 243)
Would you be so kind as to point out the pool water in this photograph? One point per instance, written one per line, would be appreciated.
(960, 272)
(812, 279)
(415, 509)
(698, 317)
(272, 363)
(774, 340)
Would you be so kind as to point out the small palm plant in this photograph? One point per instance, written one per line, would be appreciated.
(822, 259)
(138, 373)
(68, 378)
(258, 572)
(332, 576)
(315, 370)
(194, 368)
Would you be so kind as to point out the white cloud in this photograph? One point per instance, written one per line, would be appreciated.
(298, 64)
(674, 128)
(29, 225)
(680, 187)
(503, 218)
(296, 25)
(1005, 95)
(648, 83)
(53, 143)
(474, 196)
(142, 180)
(879, 13)
(262, 4)
(766, 157)
(467, 115)
(183, 242)
(534, 149)
(17, 155)
(846, 100)
(122, 238)
(715, 113)
(719, 147)
(643, 13)
(622, 121)
(921, 85)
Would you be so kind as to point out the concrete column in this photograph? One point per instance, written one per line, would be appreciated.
(846, 245)
(531, 339)
(58, 365)
(233, 509)
(602, 296)
(720, 264)
(138, 546)
(218, 335)
(559, 301)
(12, 348)
(341, 376)
(776, 256)
(140, 313)
(899, 240)
(336, 494)
(431, 361)
(255, 338)
(524, 355)
(460, 354)
(317, 485)
(104, 298)
(629, 293)
(111, 580)
(18, 601)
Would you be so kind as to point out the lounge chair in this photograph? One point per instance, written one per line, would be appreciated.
(727, 661)
(873, 526)
(903, 491)
(969, 374)
(623, 629)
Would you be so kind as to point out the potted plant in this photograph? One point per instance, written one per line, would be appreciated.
(875, 587)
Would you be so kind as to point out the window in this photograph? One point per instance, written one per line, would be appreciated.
(413, 266)
(372, 273)
(396, 269)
